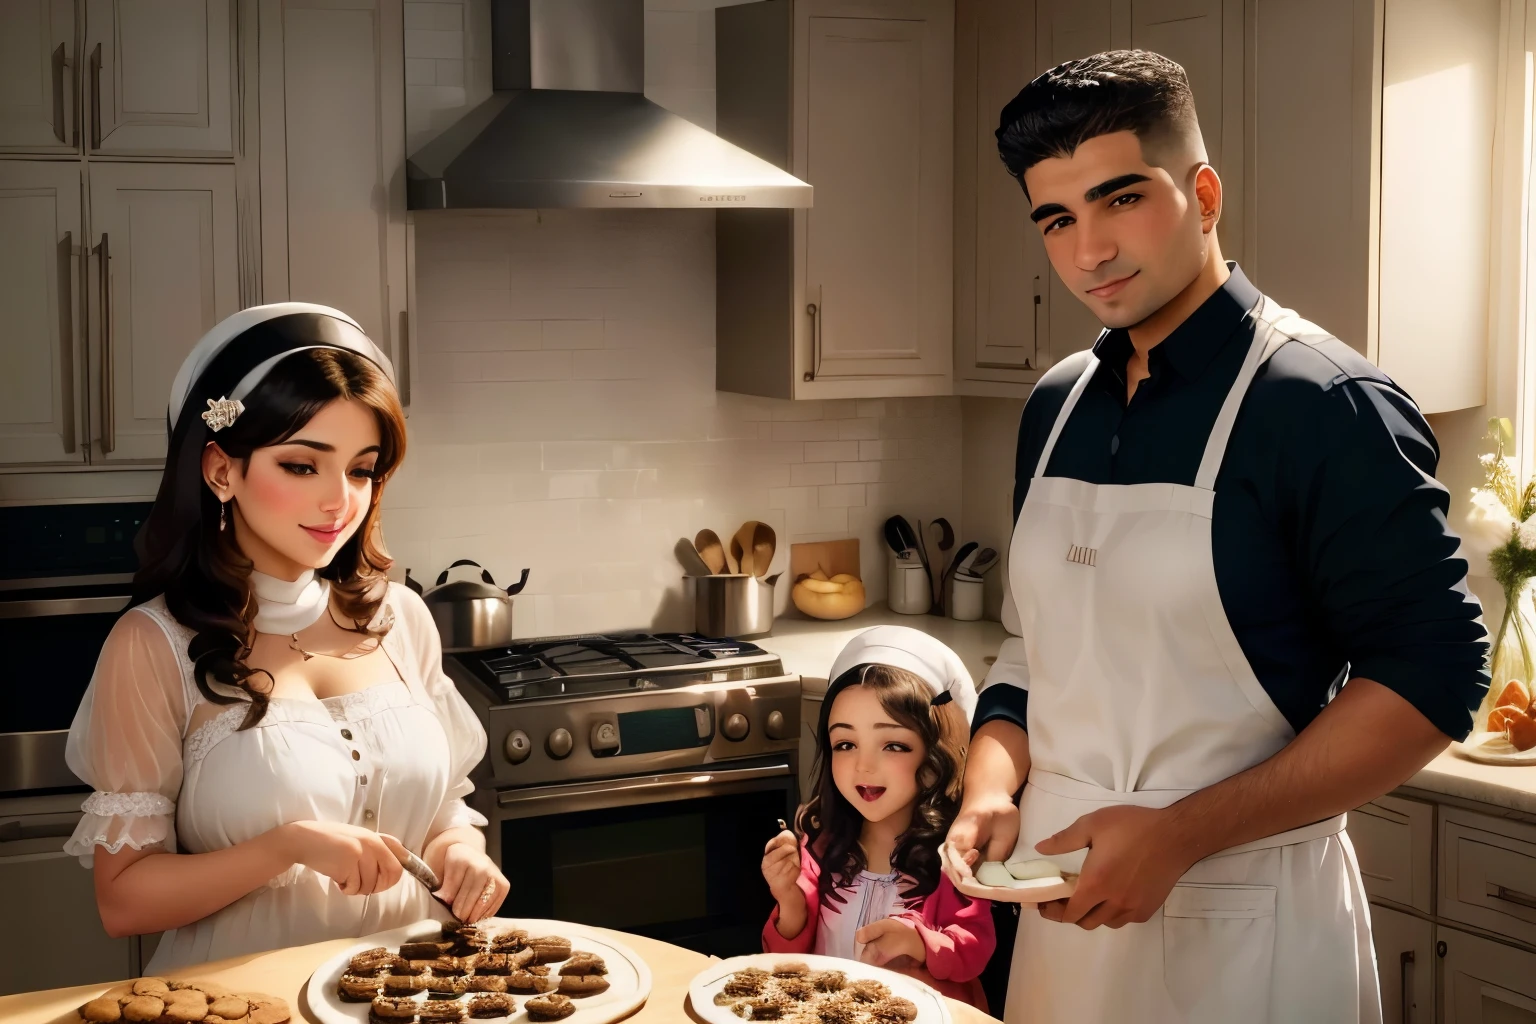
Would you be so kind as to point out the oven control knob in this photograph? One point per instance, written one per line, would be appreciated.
(517, 746)
(559, 744)
(775, 726)
(605, 737)
(736, 727)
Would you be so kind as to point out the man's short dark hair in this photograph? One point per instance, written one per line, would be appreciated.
(1118, 90)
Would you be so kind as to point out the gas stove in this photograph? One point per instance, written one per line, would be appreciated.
(588, 707)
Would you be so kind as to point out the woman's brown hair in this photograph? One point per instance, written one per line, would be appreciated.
(201, 571)
(831, 825)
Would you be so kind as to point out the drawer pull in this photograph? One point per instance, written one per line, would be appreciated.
(1519, 899)
(1405, 1000)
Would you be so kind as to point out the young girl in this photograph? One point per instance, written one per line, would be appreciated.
(866, 883)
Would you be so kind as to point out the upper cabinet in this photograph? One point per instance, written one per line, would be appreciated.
(1014, 317)
(39, 86)
(157, 76)
(333, 160)
(853, 297)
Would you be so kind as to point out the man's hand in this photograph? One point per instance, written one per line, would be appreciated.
(987, 828)
(889, 938)
(1132, 865)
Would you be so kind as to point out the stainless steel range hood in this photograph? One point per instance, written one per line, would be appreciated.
(569, 126)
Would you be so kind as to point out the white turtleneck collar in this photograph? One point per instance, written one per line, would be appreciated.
(285, 608)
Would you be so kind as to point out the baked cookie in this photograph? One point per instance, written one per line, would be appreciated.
(425, 950)
(511, 937)
(212, 989)
(837, 1011)
(550, 1007)
(236, 1008)
(370, 961)
(894, 1010)
(583, 984)
(798, 989)
(102, 1010)
(266, 1009)
(142, 1009)
(151, 987)
(486, 983)
(790, 969)
(764, 1007)
(494, 1005)
(440, 1011)
(415, 966)
(747, 982)
(829, 981)
(351, 988)
(867, 990)
(449, 965)
(445, 985)
(550, 949)
(391, 1009)
(184, 1006)
(533, 978)
(491, 963)
(404, 984)
(583, 963)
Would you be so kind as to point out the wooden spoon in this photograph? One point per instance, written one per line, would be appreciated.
(708, 545)
(764, 543)
(743, 550)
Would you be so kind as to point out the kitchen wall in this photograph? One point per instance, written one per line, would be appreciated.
(564, 415)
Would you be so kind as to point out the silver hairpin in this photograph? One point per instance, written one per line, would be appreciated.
(222, 412)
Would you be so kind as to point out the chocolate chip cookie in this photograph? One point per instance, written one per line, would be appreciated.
(533, 978)
(227, 1007)
(583, 984)
(404, 984)
(372, 961)
(550, 1007)
(584, 963)
(392, 1010)
(440, 1011)
(446, 984)
(103, 1010)
(354, 989)
(486, 983)
(894, 1010)
(492, 1006)
(142, 1009)
(550, 949)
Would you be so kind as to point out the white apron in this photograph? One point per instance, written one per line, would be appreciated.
(1140, 694)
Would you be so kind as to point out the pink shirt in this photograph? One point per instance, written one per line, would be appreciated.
(956, 931)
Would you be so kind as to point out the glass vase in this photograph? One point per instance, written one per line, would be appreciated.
(1512, 652)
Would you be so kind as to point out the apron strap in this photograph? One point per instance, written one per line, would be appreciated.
(1066, 410)
(1266, 339)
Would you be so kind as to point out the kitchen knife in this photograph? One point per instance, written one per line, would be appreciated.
(419, 869)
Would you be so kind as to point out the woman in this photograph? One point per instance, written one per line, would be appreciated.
(269, 727)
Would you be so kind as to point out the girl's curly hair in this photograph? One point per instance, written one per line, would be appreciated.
(831, 825)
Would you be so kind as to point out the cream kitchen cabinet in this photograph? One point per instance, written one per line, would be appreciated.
(163, 270)
(1405, 964)
(1485, 982)
(333, 160)
(40, 290)
(1014, 317)
(853, 296)
(156, 77)
(38, 82)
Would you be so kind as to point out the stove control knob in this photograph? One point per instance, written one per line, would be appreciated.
(517, 746)
(605, 737)
(558, 744)
(776, 728)
(736, 727)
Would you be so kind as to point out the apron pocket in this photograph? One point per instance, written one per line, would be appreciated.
(1218, 947)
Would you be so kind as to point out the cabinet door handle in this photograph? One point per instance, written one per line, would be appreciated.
(96, 97)
(1029, 364)
(1519, 899)
(1404, 962)
(815, 313)
(62, 105)
(104, 269)
(67, 252)
(403, 367)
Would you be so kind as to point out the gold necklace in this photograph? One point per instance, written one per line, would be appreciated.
(366, 646)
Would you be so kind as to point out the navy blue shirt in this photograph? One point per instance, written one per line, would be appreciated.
(1332, 551)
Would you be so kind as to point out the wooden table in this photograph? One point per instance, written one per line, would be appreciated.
(284, 972)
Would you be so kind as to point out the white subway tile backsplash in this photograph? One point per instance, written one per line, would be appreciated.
(831, 451)
(857, 429)
(421, 43)
(804, 430)
(841, 496)
(813, 474)
(858, 472)
(792, 497)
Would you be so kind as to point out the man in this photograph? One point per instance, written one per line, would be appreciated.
(1238, 608)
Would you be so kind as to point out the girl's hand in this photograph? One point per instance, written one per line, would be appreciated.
(358, 860)
(781, 868)
(472, 883)
(889, 938)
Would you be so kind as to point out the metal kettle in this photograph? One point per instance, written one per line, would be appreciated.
(470, 614)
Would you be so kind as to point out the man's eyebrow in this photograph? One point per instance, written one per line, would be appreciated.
(1093, 195)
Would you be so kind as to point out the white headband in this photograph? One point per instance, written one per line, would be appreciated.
(224, 407)
(917, 652)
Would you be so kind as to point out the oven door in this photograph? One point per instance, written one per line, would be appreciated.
(675, 857)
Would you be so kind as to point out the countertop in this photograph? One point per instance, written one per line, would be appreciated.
(284, 972)
(809, 646)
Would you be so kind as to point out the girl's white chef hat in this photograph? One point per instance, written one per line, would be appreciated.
(904, 647)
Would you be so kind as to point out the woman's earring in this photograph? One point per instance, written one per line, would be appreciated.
(221, 517)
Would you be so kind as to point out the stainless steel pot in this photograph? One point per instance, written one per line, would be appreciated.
(471, 615)
(735, 607)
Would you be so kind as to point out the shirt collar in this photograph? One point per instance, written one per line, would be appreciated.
(1195, 342)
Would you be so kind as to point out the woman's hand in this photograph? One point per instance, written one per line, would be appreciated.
(472, 883)
(781, 868)
(358, 860)
(889, 938)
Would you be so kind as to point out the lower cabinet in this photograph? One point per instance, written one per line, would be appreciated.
(1484, 982)
(1405, 964)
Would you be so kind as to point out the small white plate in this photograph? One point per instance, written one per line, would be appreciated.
(629, 979)
(1493, 748)
(1034, 890)
(707, 984)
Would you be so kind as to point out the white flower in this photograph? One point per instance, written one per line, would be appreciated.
(1488, 527)
(1527, 534)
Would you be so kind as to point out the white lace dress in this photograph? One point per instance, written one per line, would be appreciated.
(394, 757)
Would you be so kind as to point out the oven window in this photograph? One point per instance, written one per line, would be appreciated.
(686, 872)
(48, 664)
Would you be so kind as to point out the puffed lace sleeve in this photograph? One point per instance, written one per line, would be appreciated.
(125, 741)
(466, 736)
